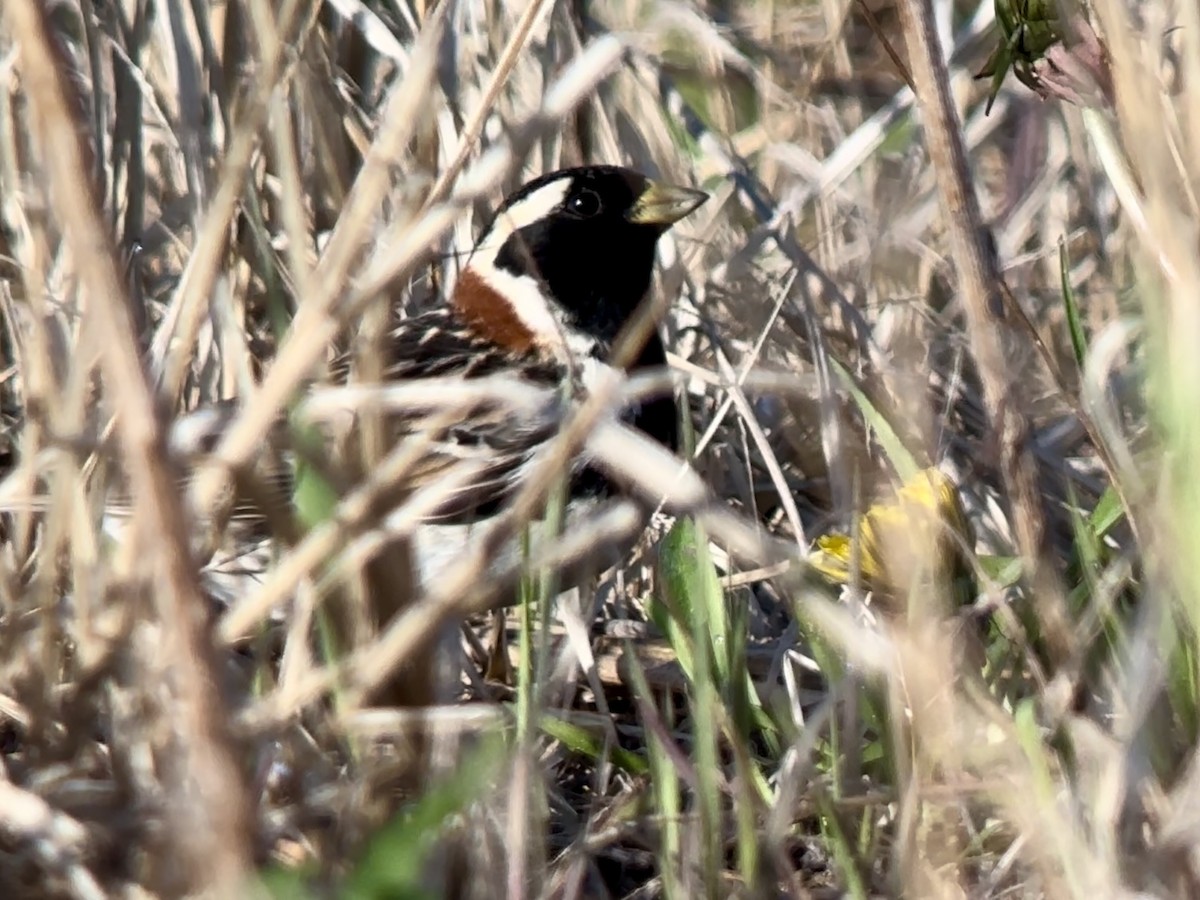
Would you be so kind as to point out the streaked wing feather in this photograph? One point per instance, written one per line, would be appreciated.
(431, 345)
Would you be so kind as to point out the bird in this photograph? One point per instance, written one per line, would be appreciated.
(557, 271)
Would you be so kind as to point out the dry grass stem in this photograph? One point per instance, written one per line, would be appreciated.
(915, 618)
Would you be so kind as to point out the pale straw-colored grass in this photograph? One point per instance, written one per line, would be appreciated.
(202, 204)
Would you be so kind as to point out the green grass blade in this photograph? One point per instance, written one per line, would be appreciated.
(1074, 322)
(905, 462)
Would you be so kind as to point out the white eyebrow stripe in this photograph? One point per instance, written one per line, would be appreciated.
(527, 210)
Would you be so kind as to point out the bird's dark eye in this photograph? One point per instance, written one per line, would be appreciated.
(585, 204)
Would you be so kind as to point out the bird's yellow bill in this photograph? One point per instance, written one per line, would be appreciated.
(664, 204)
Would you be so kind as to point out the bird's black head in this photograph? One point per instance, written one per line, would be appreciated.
(572, 252)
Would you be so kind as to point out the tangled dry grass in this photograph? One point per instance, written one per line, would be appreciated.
(202, 203)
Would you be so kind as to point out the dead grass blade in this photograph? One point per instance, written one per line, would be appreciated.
(214, 827)
(979, 278)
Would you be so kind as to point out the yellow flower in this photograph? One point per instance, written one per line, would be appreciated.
(918, 535)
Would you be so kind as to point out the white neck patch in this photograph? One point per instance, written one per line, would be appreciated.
(537, 313)
(540, 315)
(543, 319)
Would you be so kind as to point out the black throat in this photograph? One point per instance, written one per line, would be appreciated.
(658, 417)
(598, 284)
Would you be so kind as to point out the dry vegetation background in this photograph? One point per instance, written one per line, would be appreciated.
(197, 201)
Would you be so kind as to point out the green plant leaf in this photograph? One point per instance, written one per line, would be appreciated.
(581, 741)
(392, 866)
